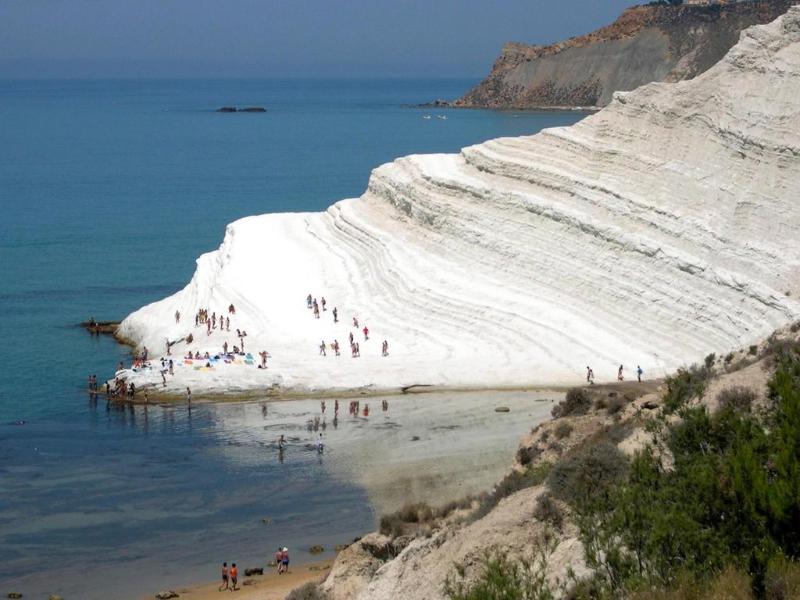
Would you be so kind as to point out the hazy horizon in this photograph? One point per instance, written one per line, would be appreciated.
(305, 39)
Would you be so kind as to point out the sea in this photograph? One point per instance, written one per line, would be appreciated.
(109, 191)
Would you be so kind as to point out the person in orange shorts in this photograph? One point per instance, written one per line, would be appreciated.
(234, 577)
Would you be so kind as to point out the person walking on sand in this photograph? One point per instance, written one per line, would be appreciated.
(316, 311)
(620, 376)
(285, 559)
(366, 333)
(336, 347)
(279, 560)
(171, 367)
(351, 339)
(358, 349)
(385, 348)
(335, 315)
(308, 301)
(639, 373)
(225, 348)
(224, 585)
(322, 349)
(234, 577)
(227, 323)
(355, 322)
(324, 302)
(177, 316)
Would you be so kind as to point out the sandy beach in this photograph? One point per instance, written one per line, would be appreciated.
(270, 586)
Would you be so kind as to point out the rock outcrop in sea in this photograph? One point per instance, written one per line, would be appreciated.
(652, 233)
(647, 43)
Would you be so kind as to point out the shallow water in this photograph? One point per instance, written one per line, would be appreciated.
(108, 192)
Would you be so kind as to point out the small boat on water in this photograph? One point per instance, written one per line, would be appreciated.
(442, 117)
(426, 116)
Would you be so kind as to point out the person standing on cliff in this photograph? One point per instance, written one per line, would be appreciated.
(639, 373)
(620, 376)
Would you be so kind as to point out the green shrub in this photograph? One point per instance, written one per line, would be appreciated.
(736, 398)
(586, 475)
(526, 455)
(687, 384)
(502, 579)
(576, 402)
(753, 350)
(547, 510)
(563, 430)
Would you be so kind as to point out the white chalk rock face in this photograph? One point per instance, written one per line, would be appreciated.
(652, 233)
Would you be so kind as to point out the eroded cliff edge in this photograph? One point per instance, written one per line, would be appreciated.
(647, 43)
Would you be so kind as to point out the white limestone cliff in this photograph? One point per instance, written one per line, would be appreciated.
(654, 232)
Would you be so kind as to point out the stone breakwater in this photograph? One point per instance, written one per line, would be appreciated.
(656, 231)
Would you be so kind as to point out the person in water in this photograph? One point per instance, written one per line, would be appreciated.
(188, 395)
(224, 585)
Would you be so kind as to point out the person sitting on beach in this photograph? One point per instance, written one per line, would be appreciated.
(244, 333)
(224, 585)
(197, 354)
(232, 309)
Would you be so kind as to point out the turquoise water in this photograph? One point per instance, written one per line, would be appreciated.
(109, 190)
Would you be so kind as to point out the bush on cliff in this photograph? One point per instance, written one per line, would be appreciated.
(576, 402)
(731, 500)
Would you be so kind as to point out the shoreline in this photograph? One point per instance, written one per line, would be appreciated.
(269, 586)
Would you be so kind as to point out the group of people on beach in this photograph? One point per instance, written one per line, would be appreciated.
(620, 374)
(355, 347)
(229, 575)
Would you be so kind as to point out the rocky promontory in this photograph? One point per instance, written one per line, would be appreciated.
(647, 43)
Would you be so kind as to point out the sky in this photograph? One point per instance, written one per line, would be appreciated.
(279, 38)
